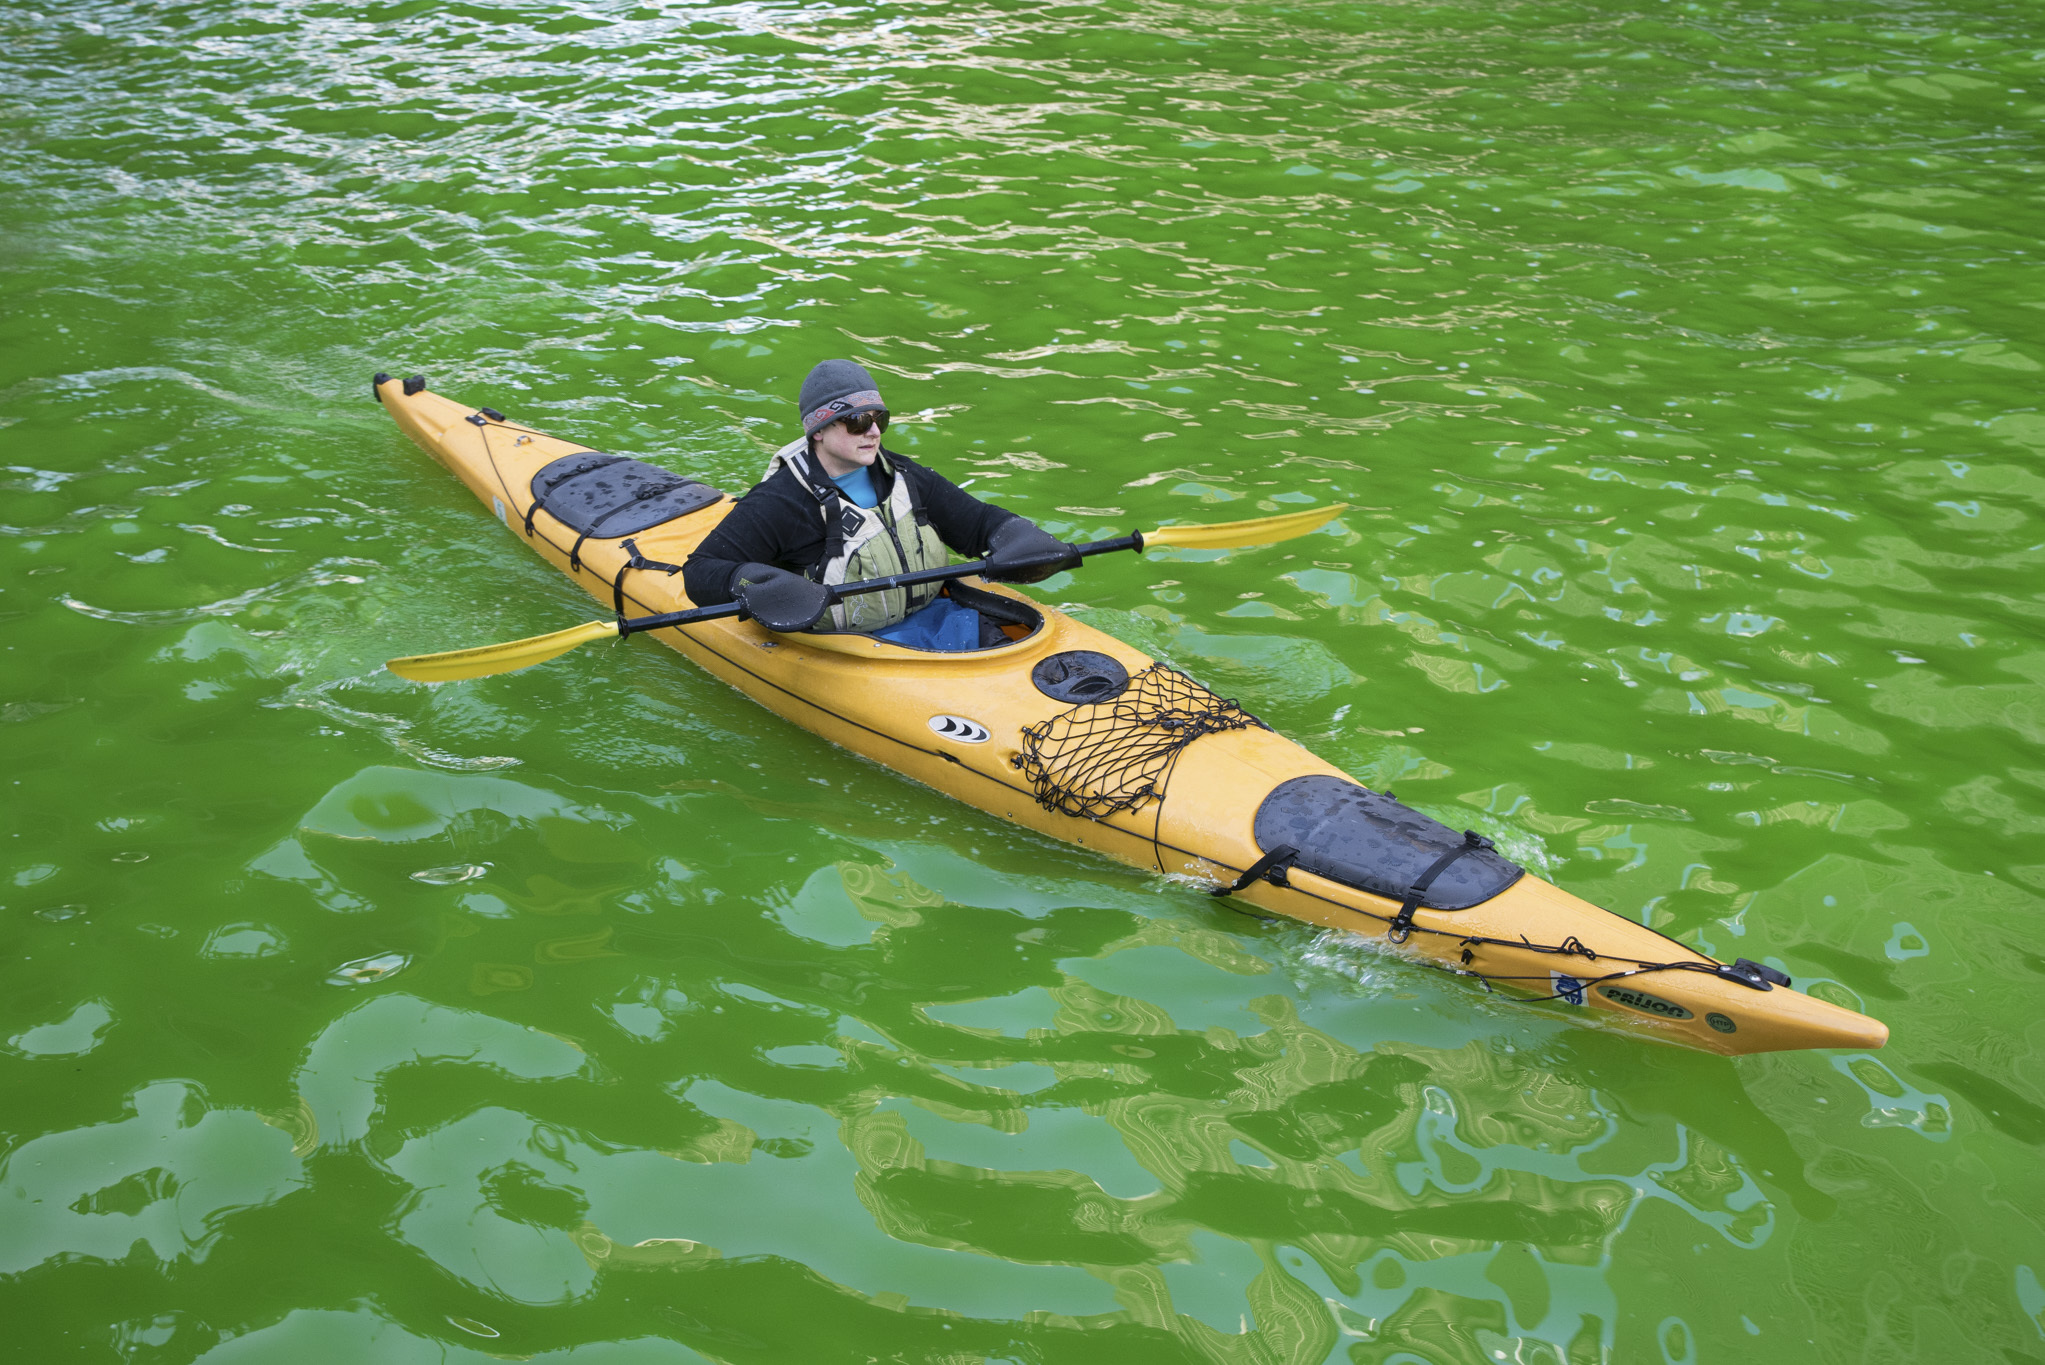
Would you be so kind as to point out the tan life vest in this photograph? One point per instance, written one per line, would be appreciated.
(892, 537)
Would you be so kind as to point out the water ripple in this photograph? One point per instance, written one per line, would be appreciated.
(1680, 373)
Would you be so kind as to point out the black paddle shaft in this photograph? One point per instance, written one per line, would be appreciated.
(1133, 541)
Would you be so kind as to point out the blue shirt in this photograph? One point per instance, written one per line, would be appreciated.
(858, 486)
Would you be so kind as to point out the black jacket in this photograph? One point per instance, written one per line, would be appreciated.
(779, 523)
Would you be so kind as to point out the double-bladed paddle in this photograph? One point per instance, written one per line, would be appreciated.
(486, 660)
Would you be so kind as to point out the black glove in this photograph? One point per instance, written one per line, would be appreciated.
(778, 599)
(1022, 542)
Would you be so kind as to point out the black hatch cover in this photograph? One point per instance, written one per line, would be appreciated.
(1080, 675)
(608, 496)
(1361, 838)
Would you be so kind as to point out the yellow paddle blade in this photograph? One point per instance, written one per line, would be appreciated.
(1233, 535)
(488, 659)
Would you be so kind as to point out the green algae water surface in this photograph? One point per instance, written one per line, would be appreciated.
(1680, 361)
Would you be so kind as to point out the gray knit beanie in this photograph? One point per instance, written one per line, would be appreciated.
(837, 389)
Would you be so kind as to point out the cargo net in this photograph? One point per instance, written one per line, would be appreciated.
(1109, 756)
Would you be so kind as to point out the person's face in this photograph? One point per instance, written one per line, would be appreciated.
(842, 451)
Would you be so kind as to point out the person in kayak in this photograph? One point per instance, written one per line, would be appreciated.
(836, 506)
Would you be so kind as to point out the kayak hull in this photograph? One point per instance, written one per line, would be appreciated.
(891, 704)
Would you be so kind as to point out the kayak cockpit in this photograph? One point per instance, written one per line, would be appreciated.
(1020, 622)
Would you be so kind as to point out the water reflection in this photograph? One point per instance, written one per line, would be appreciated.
(1385, 1196)
(172, 1179)
(1076, 1116)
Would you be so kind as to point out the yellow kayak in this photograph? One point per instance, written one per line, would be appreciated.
(1077, 735)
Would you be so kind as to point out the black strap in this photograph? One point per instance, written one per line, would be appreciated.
(831, 506)
(1402, 923)
(1271, 867)
(598, 460)
(917, 512)
(635, 560)
(646, 491)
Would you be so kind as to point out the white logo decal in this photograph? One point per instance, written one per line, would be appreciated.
(959, 729)
(498, 503)
(1567, 989)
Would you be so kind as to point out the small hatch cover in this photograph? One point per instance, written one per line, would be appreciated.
(1080, 675)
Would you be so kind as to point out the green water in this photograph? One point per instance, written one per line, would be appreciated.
(1681, 362)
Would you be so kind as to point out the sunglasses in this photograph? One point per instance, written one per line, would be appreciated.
(861, 423)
